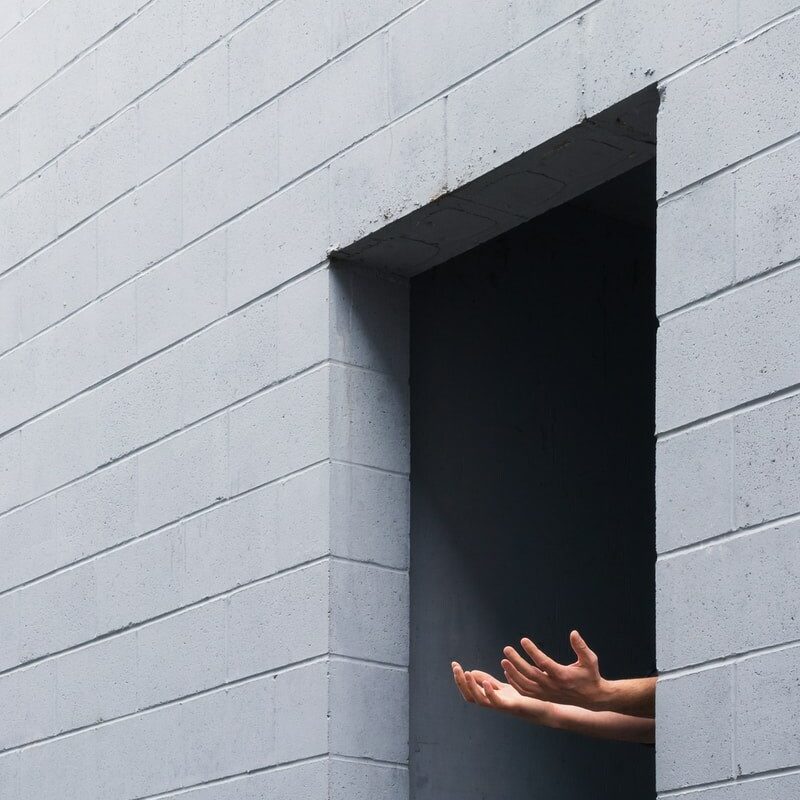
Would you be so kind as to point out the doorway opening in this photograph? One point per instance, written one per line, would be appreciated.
(532, 488)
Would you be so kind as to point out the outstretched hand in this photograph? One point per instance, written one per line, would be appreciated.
(541, 678)
(485, 690)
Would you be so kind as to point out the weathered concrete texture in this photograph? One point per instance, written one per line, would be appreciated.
(695, 722)
(721, 599)
(194, 406)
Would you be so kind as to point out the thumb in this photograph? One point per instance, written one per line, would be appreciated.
(582, 651)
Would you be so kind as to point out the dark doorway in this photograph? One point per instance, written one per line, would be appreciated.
(533, 471)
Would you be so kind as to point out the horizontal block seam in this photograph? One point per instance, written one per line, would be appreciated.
(291, 666)
(729, 536)
(725, 661)
(732, 412)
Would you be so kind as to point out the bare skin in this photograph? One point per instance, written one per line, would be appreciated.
(580, 684)
(484, 690)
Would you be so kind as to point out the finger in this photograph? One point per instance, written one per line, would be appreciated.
(582, 651)
(493, 696)
(526, 668)
(540, 658)
(461, 682)
(481, 677)
(476, 691)
(522, 684)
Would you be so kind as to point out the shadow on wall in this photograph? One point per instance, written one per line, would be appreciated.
(532, 402)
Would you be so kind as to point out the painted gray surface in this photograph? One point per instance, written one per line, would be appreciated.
(532, 390)
(174, 174)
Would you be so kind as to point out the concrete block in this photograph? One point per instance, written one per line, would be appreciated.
(369, 320)
(58, 114)
(352, 22)
(28, 217)
(139, 229)
(10, 15)
(9, 311)
(21, 72)
(766, 479)
(30, 543)
(755, 13)
(257, 346)
(58, 281)
(696, 244)
(141, 581)
(369, 613)
(309, 133)
(368, 711)
(390, 174)
(302, 698)
(182, 654)
(464, 44)
(12, 491)
(230, 173)
(28, 700)
(281, 431)
(309, 780)
(124, 753)
(281, 621)
(18, 390)
(253, 536)
(96, 683)
(139, 406)
(694, 479)
(484, 133)
(180, 295)
(351, 780)
(694, 729)
(10, 145)
(735, 348)
(369, 515)
(767, 215)
(294, 702)
(79, 25)
(529, 18)
(183, 474)
(277, 49)
(369, 418)
(99, 169)
(57, 613)
(82, 350)
(59, 447)
(183, 112)
(97, 512)
(10, 631)
(768, 711)
(720, 600)
(145, 50)
(728, 108)
(203, 22)
(9, 774)
(65, 767)
(627, 44)
(278, 239)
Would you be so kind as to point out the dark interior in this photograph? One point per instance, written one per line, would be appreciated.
(533, 471)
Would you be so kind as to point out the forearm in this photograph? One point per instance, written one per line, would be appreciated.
(635, 697)
(604, 724)
(598, 724)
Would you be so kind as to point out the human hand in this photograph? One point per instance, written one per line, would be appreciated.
(542, 678)
(483, 689)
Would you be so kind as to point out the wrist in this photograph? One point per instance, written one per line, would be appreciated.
(603, 699)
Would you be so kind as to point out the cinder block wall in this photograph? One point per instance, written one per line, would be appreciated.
(203, 427)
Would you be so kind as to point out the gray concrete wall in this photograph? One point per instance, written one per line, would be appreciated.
(532, 492)
(197, 412)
